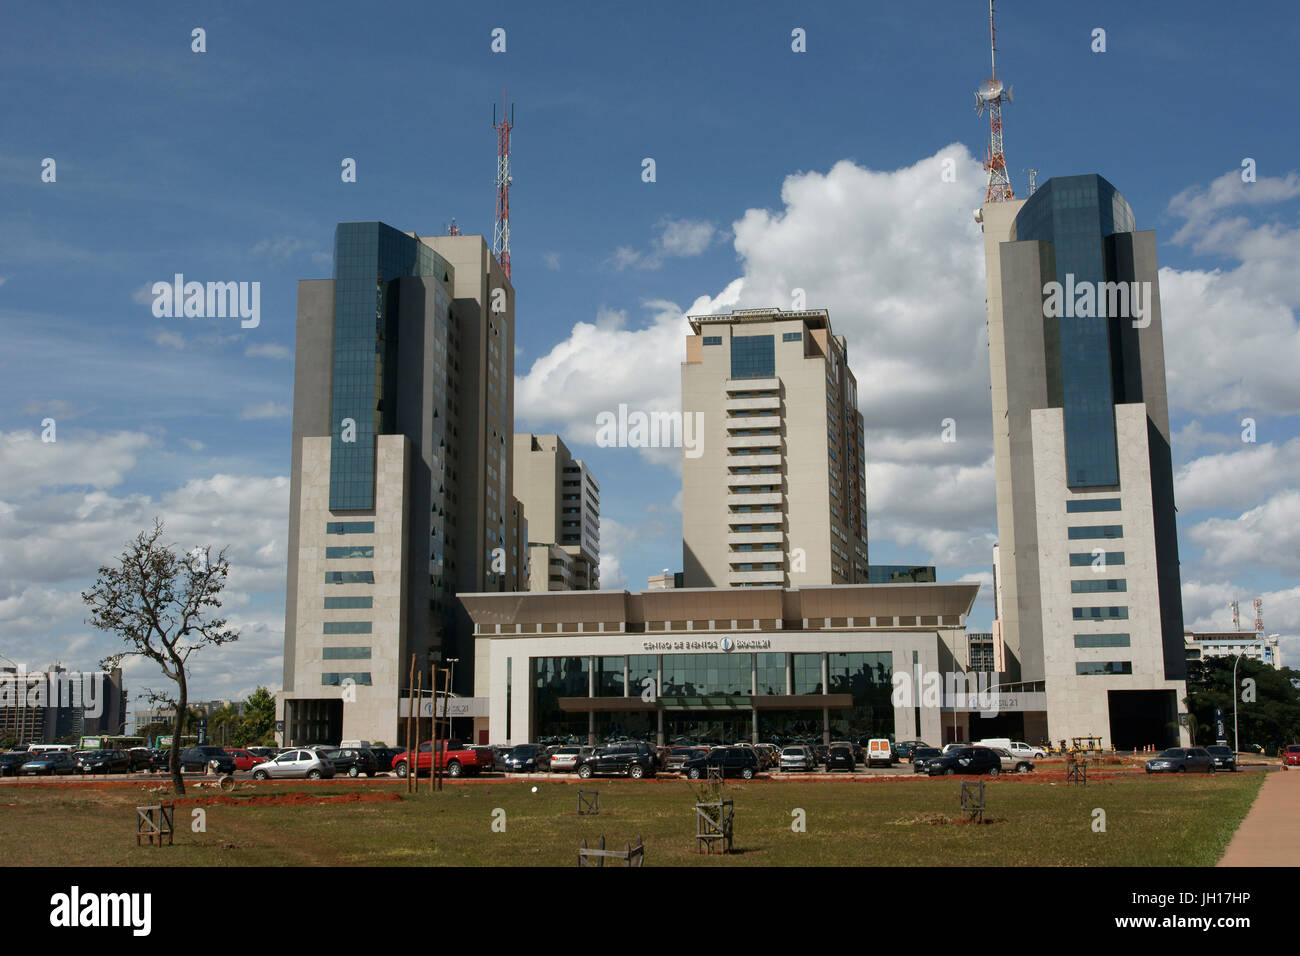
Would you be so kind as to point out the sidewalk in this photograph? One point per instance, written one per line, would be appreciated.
(1270, 833)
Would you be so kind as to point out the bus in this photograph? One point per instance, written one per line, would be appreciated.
(50, 748)
(110, 742)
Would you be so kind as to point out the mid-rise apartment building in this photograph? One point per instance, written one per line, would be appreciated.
(561, 498)
(774, 489)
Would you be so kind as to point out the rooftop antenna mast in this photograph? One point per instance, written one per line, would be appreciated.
(501, 231)
(1033, 179)
(989, 97)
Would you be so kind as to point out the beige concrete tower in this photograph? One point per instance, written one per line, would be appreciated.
(774, 492)
(562, 501)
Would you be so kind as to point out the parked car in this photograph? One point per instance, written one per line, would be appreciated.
(244, 760)
(353, 761)
(903, 749)
(204, 759)
(797, 757)
(104, 761)
(384, 757)
(769, 756)
(1011, 763)
(631, 759)
(1292, 755)
(566, 758)
(1182, 760)
(526, 758)
(1224, 758)
(840, 757)
(11, 763)
(965, 760)
(921, 757)
(859, 749)
(58, 763)
(949, 748)
(159, 760)
(455, 759)
(1018, 748)
(296, 762)
(819, 754)
(733, 761)
(266, 753)
(141, 758)
(679, 755)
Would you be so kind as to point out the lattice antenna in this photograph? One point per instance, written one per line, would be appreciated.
(990, 96)
(501, 230)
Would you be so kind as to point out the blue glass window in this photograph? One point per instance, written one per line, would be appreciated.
(713, 340)
(335, 680)
(350, 527)
(1103, 667)
(1093, 585)
(1091, 504)
(753, 356)
(1084, 532)
(1101, 640)
(792, 337)
(349, 577)
(351, 551)
(1101, 613)
(347, 627)
(1085, 560)
(348, 603)
(346, 654)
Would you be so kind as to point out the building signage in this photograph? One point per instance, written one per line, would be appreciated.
(447, 707)
(724, 644)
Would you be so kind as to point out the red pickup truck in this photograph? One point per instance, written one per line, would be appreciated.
(455, 759)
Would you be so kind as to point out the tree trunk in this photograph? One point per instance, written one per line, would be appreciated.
(178, 727)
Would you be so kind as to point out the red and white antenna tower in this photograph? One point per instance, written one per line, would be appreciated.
(990, 96)
(1259, 618)
(501, 231)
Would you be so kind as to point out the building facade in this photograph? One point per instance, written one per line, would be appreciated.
(774, 493)
(1248, 644)
(401, 487)
(561, 498)
(718, 664)
(58, 704)
(1087, 560)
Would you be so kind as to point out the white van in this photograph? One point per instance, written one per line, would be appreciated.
(355, 745)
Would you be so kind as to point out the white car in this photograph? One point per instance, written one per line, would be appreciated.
(1011, 763)
(297, 762)
(1018, 748)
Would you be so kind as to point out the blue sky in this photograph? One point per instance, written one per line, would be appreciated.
(774, 169)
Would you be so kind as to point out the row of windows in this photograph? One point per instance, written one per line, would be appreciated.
(348, 603)
(1107, 558)
(346, 654)
(351, 551)
(1092, 504)
(1101, 613)
(1096, 531)
(349, 577)
(350, 527)
(1101, 640)
(713, 340)
(347, 627)
(1103, 667)
(335, 680)
(1090, 586)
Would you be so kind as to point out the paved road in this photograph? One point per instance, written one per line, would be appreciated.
(1270, 833)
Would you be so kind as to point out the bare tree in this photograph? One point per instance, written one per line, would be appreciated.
(157, 602)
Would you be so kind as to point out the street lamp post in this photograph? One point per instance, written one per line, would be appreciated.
(1236, 753)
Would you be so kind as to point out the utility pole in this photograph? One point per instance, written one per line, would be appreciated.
(411, 760)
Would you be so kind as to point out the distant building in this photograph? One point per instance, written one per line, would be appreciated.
(894, 573)
(54, 704)
(980, 652)
(1204, 644)
(665, 581)
(561, 500)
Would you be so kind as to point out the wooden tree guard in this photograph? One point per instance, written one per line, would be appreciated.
(595, 856)
(156, 821)
(714, 824)
(972, 800)
(588, 802)
(1076, 771)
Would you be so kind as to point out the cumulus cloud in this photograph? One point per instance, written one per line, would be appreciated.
(30, 467)
(1266, 536)
(268, 350)
(677, 238)
(264, 410)
(1237, 479)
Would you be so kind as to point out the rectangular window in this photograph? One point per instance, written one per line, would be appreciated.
(350, 527)
(349, 577)
(346, 654)
(1101, 640)
(792, 337)
(1097, 531)
(713, 340)
(335, 680)
(1099, 584)
(347, 627)
(1082, 505)
(1101, 613)
(348, 603)
(753, 356)
(1103, 667)
(350, 551)
(1085, 560)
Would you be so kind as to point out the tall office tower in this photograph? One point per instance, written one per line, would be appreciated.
(774, 489)
(1087, 554)
(562, 501)
(400, 493)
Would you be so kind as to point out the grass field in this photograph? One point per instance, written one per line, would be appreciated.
(1172, 821)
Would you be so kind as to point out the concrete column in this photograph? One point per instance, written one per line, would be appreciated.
(753, 690)
(826, 725)
(659, 739)
(789, 674)
(591, 693)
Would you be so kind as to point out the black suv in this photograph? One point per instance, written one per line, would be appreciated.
(198, 759)
(1224, 758)
(628, 759)
(734, 761)
(354, 761)
(841, 756)
(966, 760)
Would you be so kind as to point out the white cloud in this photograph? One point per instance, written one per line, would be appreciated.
(551, 260)
(279, 248)
(1236, 479)
(1198, 205)
(143, 295)
(168, 339)
(677, 238)
(29, 466)
(268, 350)
(264, 410)
(1266, 536)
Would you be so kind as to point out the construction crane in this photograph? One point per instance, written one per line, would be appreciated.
(990, 96)
(501, 230)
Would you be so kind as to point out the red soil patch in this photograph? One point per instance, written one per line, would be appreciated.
(287, 799)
